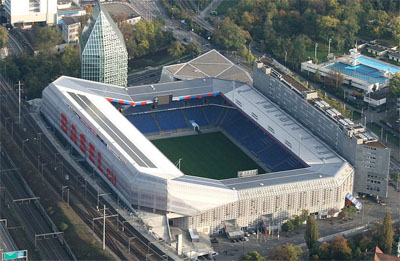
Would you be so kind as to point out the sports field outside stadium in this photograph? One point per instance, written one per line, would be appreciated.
(208, 155)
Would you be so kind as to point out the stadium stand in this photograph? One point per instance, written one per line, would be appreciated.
(215, 112)
(171, 120)
(196, 114)
(144, 122)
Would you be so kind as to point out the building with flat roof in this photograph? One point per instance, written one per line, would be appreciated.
(352, 141)
(122, 10)
(210, 64)
(103, 53)
(28, 12)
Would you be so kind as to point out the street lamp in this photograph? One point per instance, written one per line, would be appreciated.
(23, 142)
(329, 47)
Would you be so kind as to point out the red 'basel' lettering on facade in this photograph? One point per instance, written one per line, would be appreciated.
(73, 134)
(92, 149)
(111, 177)
(64, 123)
(83, 143)
(91, 152)
(99, 161)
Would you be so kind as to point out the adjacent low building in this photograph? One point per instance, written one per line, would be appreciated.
(394, 56)
(70, 29)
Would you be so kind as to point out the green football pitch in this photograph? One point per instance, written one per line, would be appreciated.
(209, 155)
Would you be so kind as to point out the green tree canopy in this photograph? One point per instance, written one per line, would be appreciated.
(387, 233)
(311, 234)
(339, 249)
(45, 38)
(176, 49)
(145, 37)
(394, 85)
(3, 36)
(395, 176)
(230, 36)
(287, 252)
(254, 256)
(193, 48)
(288, 226)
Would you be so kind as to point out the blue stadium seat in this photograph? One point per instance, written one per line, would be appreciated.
(213, 113)
(230, 116)
(144, 122)
(171, 120)
(252, 144)
(273, 155)
(196, 114)
(240, 127)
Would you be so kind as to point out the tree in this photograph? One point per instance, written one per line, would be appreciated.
(324, 251)
(297, 221)
(395, 176)
(176, 49)
(395, 29)
(394, 85)
(380, 23)
(304, 214)
(287, 252)
(387, 233)
(253, 256)
(70, 62)
(339, 248)
(349, 211)
(3, 37)
(230, 36)
(193, 48)
(311, 234)
(288, 226)
(45, 38)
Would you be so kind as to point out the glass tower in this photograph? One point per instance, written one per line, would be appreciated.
(102, 50)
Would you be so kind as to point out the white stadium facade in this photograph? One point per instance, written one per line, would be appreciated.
(88, 115)
(310, 174)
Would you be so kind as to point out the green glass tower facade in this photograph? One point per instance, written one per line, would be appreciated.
(102, 50)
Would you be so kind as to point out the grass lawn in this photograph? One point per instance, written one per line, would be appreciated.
(322, 52)
(210, 155)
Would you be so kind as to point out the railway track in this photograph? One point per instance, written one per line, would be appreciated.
(82, 205)
(31, 218)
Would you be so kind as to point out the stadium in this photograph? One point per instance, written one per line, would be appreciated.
(200, 152)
